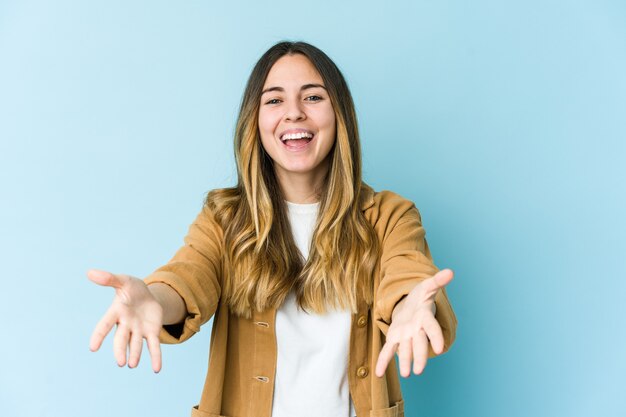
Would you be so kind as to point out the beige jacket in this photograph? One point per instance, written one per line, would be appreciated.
(242, 358)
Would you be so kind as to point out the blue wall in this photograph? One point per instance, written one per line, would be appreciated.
(504, 121)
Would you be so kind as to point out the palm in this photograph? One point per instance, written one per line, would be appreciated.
(413, 326)
(137, 315)
(137, 305)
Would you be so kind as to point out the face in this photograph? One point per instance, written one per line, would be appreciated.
(296, 118)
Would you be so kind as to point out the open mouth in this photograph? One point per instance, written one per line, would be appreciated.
(298, 141)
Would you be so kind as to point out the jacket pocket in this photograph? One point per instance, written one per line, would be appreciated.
(195, 412)
(396, 410)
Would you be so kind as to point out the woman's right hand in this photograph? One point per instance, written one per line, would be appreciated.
(138, 316)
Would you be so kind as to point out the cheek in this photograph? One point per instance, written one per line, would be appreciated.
(330, 123)
(327, 118)
(266, 128)
(268, 144)
(264, 121)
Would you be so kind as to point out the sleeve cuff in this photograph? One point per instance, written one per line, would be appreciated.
(178, 333)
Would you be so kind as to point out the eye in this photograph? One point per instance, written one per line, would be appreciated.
(317, 97)
(273, 101)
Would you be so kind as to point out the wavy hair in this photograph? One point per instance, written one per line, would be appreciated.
(262, 263)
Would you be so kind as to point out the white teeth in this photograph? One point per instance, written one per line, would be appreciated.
(296, 136)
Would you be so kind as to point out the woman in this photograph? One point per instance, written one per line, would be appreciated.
(314, 279)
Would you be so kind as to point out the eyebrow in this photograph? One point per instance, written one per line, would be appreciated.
(304, 87)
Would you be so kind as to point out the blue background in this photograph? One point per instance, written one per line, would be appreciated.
(503, 121)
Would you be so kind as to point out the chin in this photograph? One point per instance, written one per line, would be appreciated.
(299, 170)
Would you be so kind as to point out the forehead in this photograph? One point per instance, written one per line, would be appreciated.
(292, 69)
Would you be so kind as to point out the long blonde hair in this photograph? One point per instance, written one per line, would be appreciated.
(261, 261)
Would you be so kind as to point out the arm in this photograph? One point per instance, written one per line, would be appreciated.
(189, 285)
(180, 297)
(406, 262)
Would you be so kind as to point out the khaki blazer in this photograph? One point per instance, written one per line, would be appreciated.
(242, 358)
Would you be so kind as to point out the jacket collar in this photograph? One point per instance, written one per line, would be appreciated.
(367, 196)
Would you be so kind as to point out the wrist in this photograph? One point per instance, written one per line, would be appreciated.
(156, 290)
(398, 306)
(172, 304)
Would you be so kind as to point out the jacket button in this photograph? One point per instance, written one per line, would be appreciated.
(362, 372)
(362, 321)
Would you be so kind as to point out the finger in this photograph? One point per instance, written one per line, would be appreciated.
(434, 333)
(136, 343)
(420, 352)
(385, 356)
(101, 330)
(443, 277)
(154, 347)
(405, 354)
(120, 343)
(437, 281)
(106, 279)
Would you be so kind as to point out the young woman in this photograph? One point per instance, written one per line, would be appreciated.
(313, 279)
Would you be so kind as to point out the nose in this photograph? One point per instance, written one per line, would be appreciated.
(294, 111)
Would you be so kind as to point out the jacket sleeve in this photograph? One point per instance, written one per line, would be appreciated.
(194, 272)
(405, 261)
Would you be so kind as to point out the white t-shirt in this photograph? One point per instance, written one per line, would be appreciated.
(311, 370)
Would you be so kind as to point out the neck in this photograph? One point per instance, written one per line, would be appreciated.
(301, 188)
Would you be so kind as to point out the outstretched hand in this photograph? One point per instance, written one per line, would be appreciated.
(413, 324)
(137, 314)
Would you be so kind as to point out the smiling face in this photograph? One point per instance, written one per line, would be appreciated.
(296, 119)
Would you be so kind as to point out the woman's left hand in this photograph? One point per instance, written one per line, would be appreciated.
(413, 324)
